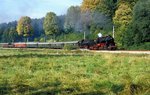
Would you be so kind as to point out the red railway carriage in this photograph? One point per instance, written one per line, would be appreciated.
(20, 45)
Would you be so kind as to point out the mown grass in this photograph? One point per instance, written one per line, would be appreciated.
(58, 72)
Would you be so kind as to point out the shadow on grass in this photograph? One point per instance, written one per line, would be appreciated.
(92, 93)
(5, 89)
(38, 55)
(57, 92)
(49, 92)
(69, 91)
(117, 88)
(57, 89)
(21, 88)
(131, 89)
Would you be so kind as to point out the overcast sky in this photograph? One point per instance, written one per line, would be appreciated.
(11, 10)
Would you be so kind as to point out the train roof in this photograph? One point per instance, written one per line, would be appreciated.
(69, 42)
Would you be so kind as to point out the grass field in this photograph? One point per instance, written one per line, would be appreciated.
(58, 72)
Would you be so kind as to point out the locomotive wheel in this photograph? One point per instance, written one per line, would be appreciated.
(105, 47)
(91, 48)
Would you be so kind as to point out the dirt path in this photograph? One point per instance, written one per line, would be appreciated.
(97, 51)
(121, 51)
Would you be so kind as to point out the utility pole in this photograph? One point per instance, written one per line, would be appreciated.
(113, 31)
(84, 35)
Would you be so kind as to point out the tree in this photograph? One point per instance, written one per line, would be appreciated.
(37, 25)
(130, 2)
(72, 20)
(141, 19)
(90, 4)
(50, 25)
(12, 34)
(5, 36)
(24, 27)
(61, 20)
(107, 7)
(2, 28)
(122, 19)
(139, 30)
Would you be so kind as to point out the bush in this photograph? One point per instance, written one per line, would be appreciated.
(36, 39)
(42, 40)
(143, 46)
(69, 47)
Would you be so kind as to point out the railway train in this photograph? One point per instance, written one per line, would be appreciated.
(101, 43)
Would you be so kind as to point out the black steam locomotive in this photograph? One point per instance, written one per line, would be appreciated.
(101, 43)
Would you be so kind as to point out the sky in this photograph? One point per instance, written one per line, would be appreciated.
(11, 10)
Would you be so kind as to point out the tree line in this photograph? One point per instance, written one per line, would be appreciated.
(129, 17)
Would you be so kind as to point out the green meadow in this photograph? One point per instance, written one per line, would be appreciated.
(62, 72)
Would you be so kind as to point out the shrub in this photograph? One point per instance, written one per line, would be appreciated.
(144, 46)
(69, 47)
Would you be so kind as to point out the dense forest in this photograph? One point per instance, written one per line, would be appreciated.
(131, 19)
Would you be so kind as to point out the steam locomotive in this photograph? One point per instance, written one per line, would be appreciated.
(101, 43)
